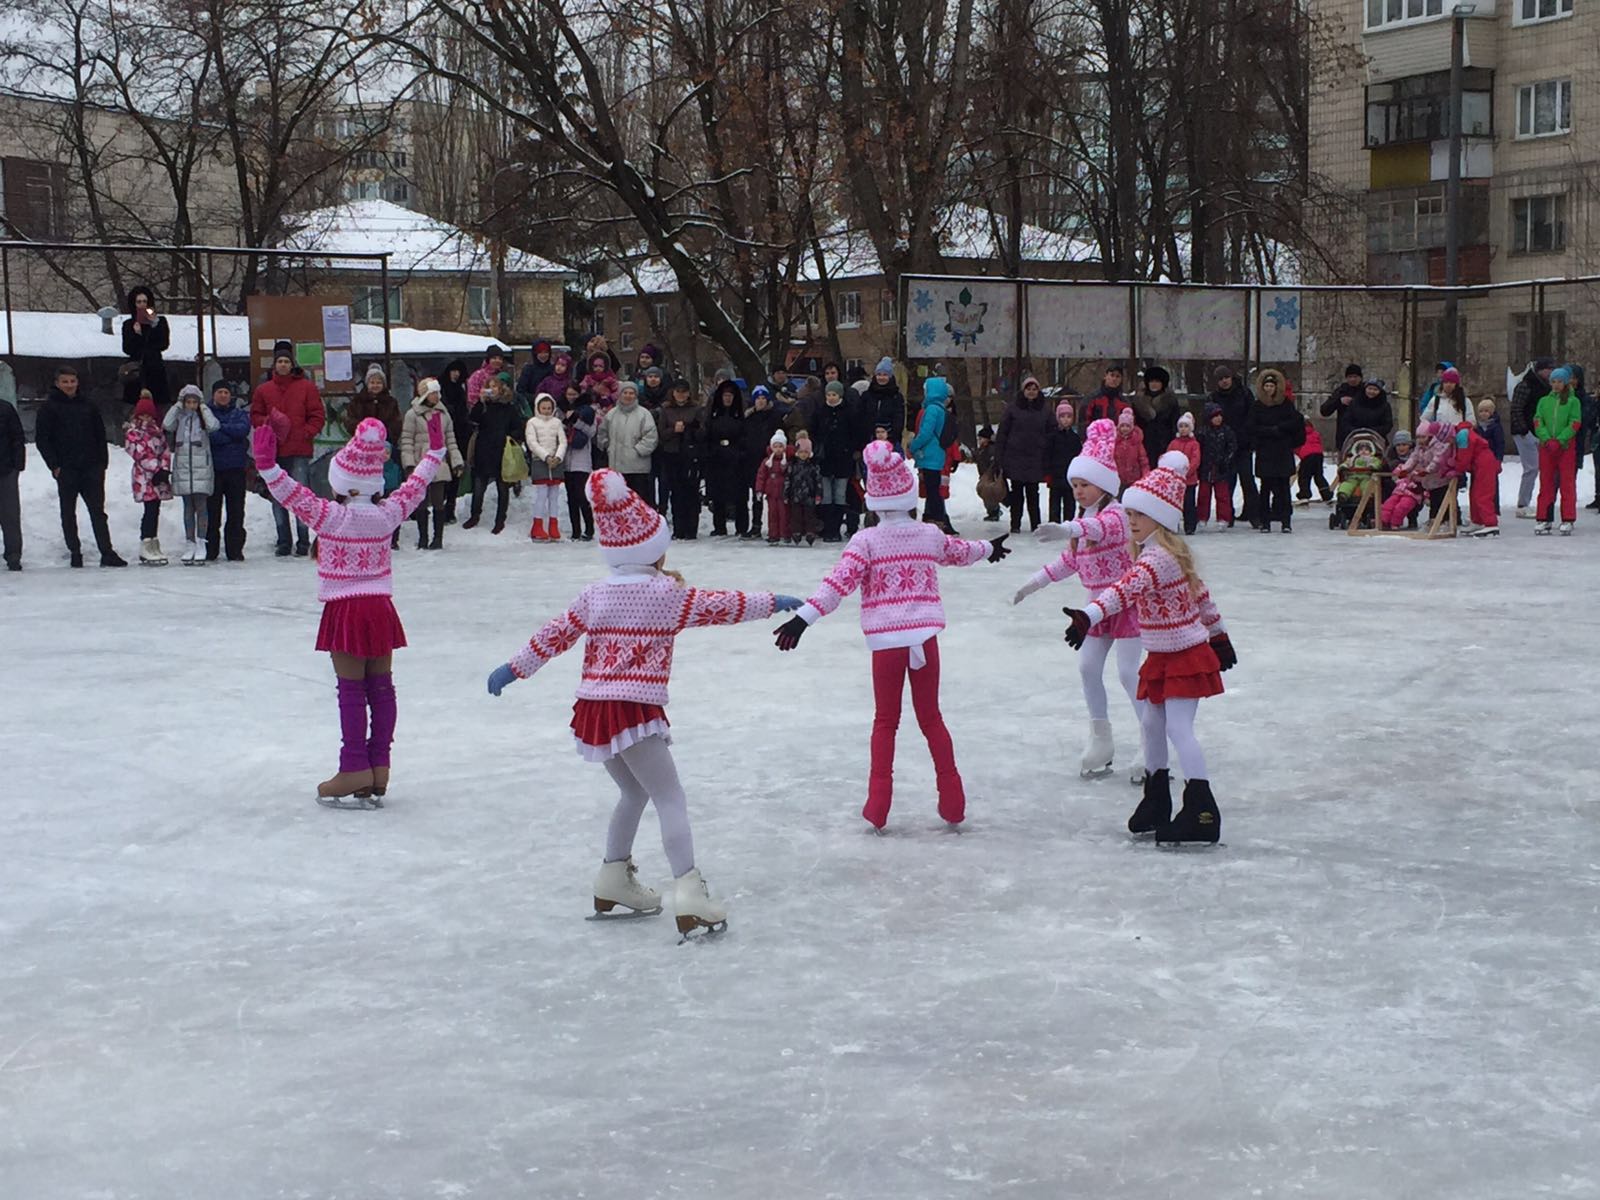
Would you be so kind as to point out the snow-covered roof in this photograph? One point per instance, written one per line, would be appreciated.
(72, 336)
(965, 232)
(416, 242)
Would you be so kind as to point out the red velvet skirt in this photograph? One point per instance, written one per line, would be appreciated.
(1191, 674)
(365, 626)
(605, 728)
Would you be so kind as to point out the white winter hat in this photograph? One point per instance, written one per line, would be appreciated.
(891, 486)
(1097, 464)
(779, 438)
(1159, 495)
(629, 530)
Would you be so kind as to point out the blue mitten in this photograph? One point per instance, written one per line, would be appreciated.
(786, 603)
(500, 677)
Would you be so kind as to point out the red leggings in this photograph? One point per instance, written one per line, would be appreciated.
(1558, 466)
(889, 671)
(1223, 490)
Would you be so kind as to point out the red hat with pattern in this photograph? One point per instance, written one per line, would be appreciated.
(1097, 464)
(357, 469)
(629, 530)
(891, 485)
(1159, 495)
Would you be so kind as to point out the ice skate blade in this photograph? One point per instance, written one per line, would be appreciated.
(620, 912)
(351, 803)
(1099, 773)
(687, 926)
(1186, 847)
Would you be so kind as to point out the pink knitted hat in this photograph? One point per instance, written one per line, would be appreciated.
(1159, 495)
(631, 533)
(357, 469)
(1098, 462)
(891, 485)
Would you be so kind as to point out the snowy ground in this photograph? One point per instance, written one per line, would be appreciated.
(1385, 985)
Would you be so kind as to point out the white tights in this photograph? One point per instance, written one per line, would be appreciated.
(544, 500)
(1092, 668)
(645, 772)
(1173, 721)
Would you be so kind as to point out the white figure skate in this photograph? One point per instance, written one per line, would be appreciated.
(1137, 776)
(1096, 763)
(618, 884)
(150, 553)
(692, 902)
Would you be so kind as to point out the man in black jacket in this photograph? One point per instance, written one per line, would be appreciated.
(1235, 399)
(13, 460)
(1339, 403)
(71, 436)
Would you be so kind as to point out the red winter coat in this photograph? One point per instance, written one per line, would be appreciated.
(146, 444)
(1312, 444)
(769, 477)
(1189, 447)
(1104, 405)
(1132, 464)
(297, 400)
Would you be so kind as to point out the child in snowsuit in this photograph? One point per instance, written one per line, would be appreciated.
(1219, 446)
(360, 629)
(146, 445)
(1355, 472)
(896, 565)
(1188, 445)
(1423, 470)
(1132, 462)
(1188, 651)
(987, 459)
(546, 438)
(191, 425)
(1310, 470)
(1483, 469)
(1098, 554)
(1065, 445)
(769, 484)
(802, 492)
(631, 621)
(600, 383)
(1555, 424)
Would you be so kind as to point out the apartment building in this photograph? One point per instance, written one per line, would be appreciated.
(1530, 165)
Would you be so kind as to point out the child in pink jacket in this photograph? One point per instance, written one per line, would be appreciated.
(896, 565)
(1132, 462)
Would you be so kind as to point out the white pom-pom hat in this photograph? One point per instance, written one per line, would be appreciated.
(891, 484)
(357, 469)
(1159, 495)
(1098, 462)
(629, 531)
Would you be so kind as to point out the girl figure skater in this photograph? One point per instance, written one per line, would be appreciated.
(896, 565)
(1099, 555)
(1188, 650)
(631, 620)
(360, 628)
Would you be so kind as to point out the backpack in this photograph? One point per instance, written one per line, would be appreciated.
(948, 431)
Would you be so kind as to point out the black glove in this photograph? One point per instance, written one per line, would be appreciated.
(1079, 629)
(997, 548)
(789, 632)
(1226, 655)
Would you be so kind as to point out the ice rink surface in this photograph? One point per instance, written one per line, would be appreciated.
(1384, 986)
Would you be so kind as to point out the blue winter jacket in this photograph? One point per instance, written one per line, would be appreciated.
(925, 449)
(230, 443)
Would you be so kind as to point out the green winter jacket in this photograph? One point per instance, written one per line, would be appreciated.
(1557, 417)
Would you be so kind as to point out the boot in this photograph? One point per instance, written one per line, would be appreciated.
(108, 558)
(1155, 809)
(345, 783)
(422, 529)
(471, 522)
(618, 883)
(692, 902)
(499, 525)
(380, 782)
(1199, 821)
(438, 532)
(554, 530)
(190, 552)
(537, 533)
(1096, 762)
(150, 553)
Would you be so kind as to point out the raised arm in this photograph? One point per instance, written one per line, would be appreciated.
(298, 499)
(403, 501)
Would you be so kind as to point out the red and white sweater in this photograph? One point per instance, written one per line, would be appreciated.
(353, 539)
(1102, 558)
(1171, 616)
(631, 620)
(896, 565)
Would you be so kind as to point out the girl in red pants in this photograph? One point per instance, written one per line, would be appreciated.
(1484, 468)
(896, 565)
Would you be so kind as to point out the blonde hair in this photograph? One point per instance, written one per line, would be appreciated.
(1179, 549)
(673, 575)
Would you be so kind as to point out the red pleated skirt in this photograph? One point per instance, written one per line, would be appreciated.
(605, 728)
(365, 626)
(1191, 674)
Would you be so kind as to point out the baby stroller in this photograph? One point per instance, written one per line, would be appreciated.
(1360, 465)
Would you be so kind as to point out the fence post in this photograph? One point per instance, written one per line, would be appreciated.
(5, 285)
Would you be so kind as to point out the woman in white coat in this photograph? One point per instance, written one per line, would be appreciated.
(414, 446)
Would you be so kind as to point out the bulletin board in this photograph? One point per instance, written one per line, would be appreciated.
(298, 319)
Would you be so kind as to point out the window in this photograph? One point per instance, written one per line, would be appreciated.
(886, 308)
(363, 189)
(369, 305)
(35, 198)
(1531, 337)
(397, 190)
(480, 305)
(1544, 109)
(1432, 345)
(1385, 14)
(851, 364)
(847, 307)
(807, 314)
(1407, 220)
(625, 315)
(660, 311)
(1527, 12)
(626, 342)
(1417, 108)
(1538, 224)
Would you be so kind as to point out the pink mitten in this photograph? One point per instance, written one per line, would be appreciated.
(264, 446)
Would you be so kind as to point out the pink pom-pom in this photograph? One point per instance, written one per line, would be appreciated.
(881, 455)
(372, 431)
(1174, 460)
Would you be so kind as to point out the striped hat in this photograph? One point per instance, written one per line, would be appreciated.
(629, 530)
(1159, 495)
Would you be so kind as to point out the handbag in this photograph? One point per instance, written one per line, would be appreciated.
(513, 462)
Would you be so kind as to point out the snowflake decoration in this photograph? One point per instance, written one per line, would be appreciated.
(925, 334)
(966, 318)
(922, 301)
(1285, 313)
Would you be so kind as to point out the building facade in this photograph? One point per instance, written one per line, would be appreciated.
(1530, 166)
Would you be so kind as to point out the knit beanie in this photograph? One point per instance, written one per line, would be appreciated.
(1186, 421)
(357, 469)
(1159, 495)
(885, 367)
(1450, 375)
(834, 388)
(1125, 417)
(1561, 375)
(1213, 409)
(628, 385)
(221, 385)
(891, 485)
(428, 386)
(631, 533)
(1354, 369)
(779, 438)
(802, 444)
(376, 369)
(1402, 437)
(1065, 409)
(146, 406)
(1098, 462)
(283, 348)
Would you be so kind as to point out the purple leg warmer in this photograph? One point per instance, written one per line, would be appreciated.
(385, 712)
(353, 725)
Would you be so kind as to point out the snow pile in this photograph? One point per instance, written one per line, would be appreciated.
(415, 242)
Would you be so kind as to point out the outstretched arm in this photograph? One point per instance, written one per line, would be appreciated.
(846, 576)
(706, 606)
(555, 637)
(960, 552)
(403, 501)
(1135, 582)
(1053, 571)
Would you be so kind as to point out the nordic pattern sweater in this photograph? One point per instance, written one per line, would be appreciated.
(630, 621)
(353, 549)
(896, 566)
(1102, 558)
(1171, 616)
